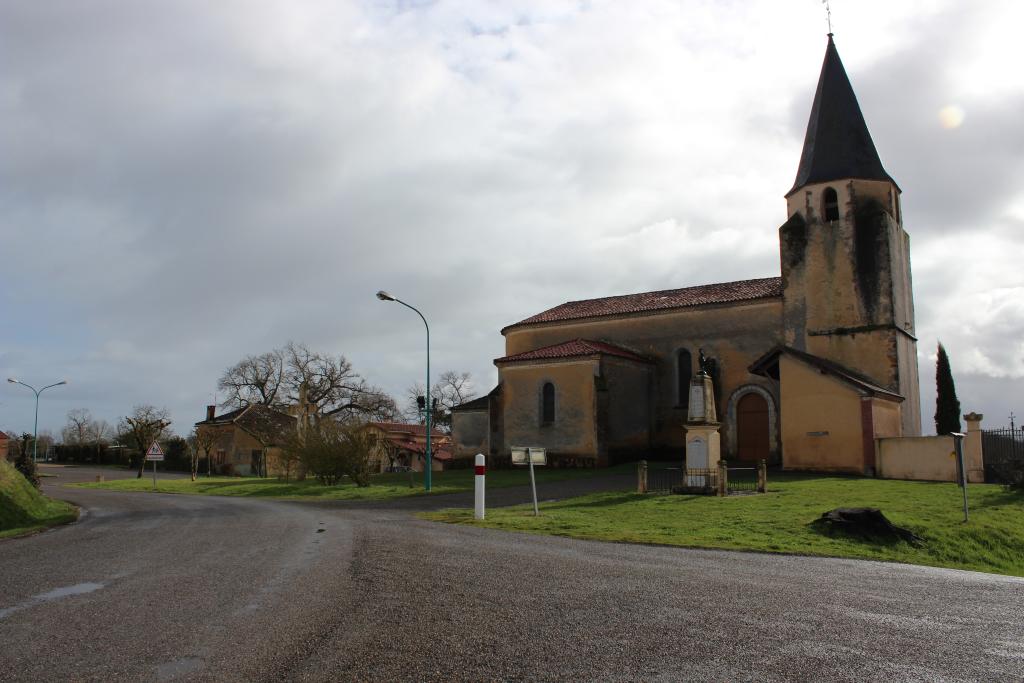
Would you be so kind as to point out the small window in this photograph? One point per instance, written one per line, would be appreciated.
(684, 368)
(547, 414)
(830, 204)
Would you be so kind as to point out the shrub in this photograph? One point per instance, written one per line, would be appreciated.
(332, 451)
(24, 462)
(228, 469)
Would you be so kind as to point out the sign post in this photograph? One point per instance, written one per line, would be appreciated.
(961, 470)
(481, 472)
(531, 456)
(154, 453)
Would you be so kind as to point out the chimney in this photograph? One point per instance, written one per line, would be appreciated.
(210, 410)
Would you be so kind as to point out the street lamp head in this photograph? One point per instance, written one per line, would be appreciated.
(63, 381)
(384, 296)
(12, 380)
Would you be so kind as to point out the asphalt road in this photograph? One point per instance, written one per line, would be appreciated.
(162, 587)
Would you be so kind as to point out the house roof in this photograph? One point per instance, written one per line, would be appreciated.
(263, 422)
(440, 451)
(837, 144)
(224, 418)
(574, 349)
(482, 403)
(666, 299)
(766, 364)
(401, 427)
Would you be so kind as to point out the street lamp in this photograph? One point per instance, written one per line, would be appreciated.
(35, 429)
(384, 296)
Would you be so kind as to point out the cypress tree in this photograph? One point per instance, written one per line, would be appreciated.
(947, 406)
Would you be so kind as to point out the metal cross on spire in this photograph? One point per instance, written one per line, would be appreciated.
(828, 15)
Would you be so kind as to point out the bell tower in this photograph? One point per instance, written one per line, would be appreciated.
(847, 294)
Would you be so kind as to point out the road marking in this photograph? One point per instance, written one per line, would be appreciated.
(55, 594)
(178, 667)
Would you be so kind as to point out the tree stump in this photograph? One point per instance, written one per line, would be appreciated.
(866, 523)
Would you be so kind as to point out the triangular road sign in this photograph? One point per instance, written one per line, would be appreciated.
(154, 450)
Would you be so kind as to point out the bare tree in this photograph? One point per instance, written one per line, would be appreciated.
(46, 442)
(254, 379)
(450, 390)
(205, 439)
(145, 425)
(295, 374)
(100, 432)
(193, 452)
(77, 429)
(327, 382)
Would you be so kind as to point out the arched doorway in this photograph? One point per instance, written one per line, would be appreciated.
(752, 428)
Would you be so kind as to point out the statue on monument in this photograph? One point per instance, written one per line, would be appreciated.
(703, 362)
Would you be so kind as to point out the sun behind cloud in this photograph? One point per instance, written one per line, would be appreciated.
(951, 116)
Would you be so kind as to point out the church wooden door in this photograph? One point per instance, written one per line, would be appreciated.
(752, 428)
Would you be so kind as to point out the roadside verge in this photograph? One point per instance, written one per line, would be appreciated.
(781, 521)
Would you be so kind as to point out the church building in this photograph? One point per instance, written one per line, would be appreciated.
(808, 369)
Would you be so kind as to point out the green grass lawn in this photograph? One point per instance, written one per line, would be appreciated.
(24, 509)
(780, 521)
(382, 486)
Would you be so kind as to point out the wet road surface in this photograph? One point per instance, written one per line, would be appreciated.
(163, 587)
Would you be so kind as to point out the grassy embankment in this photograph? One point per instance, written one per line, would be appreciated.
(382, 486)
(24, 509)
(780, 521)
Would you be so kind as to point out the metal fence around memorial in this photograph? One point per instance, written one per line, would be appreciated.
(1003, 452)
(741, 479)
(664, 480)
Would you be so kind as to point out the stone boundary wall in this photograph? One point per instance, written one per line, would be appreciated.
(931, 458)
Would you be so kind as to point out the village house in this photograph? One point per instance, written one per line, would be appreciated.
(810, 368)
(405, 446)
(247, 437)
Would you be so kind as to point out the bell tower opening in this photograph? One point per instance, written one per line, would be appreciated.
(830, 204)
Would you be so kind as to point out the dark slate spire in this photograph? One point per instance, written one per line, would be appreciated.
(838, 144)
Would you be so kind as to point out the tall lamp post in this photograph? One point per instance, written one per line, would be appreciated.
(384, 296)
(35, 429)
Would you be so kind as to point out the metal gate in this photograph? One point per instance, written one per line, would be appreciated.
(1003, 451)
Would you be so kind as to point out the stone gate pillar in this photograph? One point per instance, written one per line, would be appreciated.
(974, 458)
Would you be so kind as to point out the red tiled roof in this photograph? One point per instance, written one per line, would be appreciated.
(573, 349)
(720, 293)
(441, 452)
(417, 429)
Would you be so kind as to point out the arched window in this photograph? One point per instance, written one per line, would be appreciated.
(830, 204)
(547, 411)
(684, 370)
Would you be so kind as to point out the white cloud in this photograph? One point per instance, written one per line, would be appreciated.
(185, 183)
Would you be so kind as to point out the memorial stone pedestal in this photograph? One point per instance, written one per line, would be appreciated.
(703, 441)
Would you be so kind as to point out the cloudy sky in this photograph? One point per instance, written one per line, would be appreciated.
(184, 183)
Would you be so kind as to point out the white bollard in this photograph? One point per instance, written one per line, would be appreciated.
(481, 470)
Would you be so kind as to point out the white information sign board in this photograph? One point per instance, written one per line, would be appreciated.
(530, 456)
